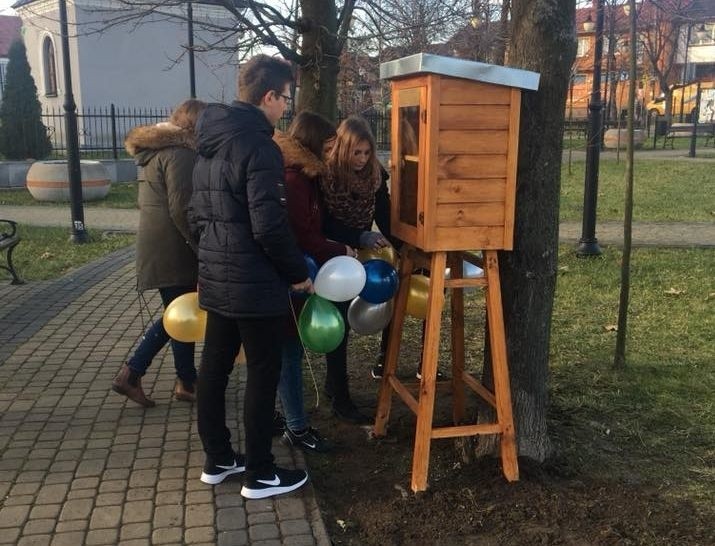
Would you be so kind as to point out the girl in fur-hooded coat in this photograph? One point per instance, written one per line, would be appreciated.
(166, 255)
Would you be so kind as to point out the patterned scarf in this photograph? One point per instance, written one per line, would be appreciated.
(351, 200)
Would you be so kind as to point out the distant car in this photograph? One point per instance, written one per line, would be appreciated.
(683, 100)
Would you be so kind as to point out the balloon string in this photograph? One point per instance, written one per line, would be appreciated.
(305, 353)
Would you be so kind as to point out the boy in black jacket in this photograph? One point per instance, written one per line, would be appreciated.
(248, 260)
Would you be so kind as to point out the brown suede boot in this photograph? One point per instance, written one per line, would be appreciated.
(184, 391)
(128, 383)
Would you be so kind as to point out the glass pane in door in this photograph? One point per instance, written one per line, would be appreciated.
(409, 140)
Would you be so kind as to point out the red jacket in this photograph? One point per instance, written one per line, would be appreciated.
(305, 209)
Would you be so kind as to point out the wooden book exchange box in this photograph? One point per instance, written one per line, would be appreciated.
(455, 137)
(455, 130)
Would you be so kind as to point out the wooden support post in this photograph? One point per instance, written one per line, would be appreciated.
(502, 392)
(454, 260)
(430, 355)
(394, 339)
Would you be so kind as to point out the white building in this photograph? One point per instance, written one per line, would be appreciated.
(119, 59)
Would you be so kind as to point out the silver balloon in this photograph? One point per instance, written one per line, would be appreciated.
(340, 279)
(367, 318)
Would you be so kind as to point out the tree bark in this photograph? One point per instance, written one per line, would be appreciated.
(543, 40)
(320, 51)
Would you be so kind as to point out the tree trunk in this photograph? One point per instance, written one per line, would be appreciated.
(320, 48)
(542, 41)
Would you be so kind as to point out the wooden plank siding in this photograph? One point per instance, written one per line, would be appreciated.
(457, 91)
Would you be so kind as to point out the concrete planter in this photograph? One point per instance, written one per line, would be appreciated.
(611, 138)
(48, 181)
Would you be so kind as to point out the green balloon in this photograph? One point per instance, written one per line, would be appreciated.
(320, 325)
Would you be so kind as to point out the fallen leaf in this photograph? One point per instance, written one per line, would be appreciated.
(610, 328)
(341, 524)
(46, 256)
(674, 291)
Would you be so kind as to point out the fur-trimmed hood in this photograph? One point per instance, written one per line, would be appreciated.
(143, 142)
(298, 156)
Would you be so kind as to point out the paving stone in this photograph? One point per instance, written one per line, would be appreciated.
(45, 511)
(232, 538)
(198, 535)
(198, 515)
(263, 531)
(230, 519)
(52, 494)
(170, 535)
(225, 501)
(59, 477)
(170, 485)
(19, 499)
(104, 517)
(35, 540)
(101, 536)
(168, 516)
(170, 497)
(140, 493)
(68, 539)
(13, 516)
(39, 526)
(294, 527)
(299, 540)
(135, 530)
(290, 508)
(73, 525)
(109, 499)
(138, 511)
(92, 467)
(112, 486)
(136, 542)
(25, 489)
(199, 497)
(9, 536)
(76, 509)
(142, 478)
(81, 494)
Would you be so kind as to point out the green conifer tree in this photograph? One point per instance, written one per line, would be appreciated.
(22, 134)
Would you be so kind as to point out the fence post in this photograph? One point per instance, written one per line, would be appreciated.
(112, 112)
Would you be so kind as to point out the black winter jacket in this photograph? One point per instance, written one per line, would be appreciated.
(247, 253)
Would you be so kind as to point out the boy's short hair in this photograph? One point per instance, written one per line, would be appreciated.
(260, 75)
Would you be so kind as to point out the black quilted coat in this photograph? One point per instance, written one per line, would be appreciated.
(247, 253)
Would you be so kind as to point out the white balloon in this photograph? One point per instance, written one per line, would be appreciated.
(340, 279)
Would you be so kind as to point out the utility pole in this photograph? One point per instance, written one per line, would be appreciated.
(192, 69)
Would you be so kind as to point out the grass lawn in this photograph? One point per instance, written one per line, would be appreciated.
(47, 252)
(667, 190)
(121, 196)
(654, 420)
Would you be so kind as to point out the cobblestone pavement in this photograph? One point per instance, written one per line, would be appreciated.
(80, 464)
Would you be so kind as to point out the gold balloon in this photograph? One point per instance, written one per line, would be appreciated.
(386, 253)
(184, 320)
(418, 296)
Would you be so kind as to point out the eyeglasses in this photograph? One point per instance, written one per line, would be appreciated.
(287, 98)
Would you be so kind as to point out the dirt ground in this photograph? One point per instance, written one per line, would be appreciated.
(363, 489)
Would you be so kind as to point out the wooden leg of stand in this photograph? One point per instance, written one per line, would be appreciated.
(502, 392)
(384, 400)
(428, 385)
(454, 262)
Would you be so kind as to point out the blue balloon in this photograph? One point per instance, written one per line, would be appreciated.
(381, 281)
(312, 266)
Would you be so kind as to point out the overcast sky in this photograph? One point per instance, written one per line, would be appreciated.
(4, 5)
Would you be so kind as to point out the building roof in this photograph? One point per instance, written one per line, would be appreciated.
(9, 32)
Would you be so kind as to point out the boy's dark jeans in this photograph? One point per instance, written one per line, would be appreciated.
(224, 337)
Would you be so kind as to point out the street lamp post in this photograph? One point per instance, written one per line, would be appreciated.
(192, 69)
(79, 232)
(588, 244)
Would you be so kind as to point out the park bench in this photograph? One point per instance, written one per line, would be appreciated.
(685, 130)
(9, 239)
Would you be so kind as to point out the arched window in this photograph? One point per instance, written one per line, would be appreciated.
(48, 65)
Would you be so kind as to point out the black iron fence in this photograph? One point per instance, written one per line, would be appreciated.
(102, 130)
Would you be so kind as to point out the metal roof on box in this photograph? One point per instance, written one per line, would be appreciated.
(460, 68)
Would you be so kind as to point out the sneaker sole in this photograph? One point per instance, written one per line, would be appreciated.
(271, 491)
(215, 479)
